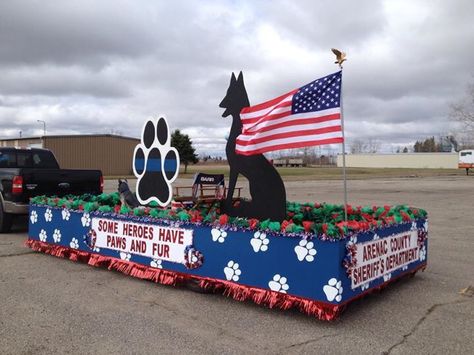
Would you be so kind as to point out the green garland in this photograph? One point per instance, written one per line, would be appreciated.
(320, 219)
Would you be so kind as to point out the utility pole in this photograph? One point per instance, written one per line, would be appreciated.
(44, 131)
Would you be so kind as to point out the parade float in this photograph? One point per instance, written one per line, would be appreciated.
(316, 266)
(316, 257)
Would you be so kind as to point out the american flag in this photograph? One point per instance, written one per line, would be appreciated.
(308, 116)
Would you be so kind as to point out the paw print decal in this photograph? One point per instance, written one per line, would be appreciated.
(33, 217)
(156, 263)
(65, 214)
(57, 235)
(125, 256)
(279, 284)
(232, 271)
(155, 163)
(305, 251)
(48, 215)
(333, 290)
(353, 240)
(259, 242)
(74, 244)
(423, 253)
(387, 277)
(364, 286)
(376, 237)
(86, 220)
(218, 235)
(43, 236)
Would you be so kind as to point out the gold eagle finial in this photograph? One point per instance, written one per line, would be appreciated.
(340, 56)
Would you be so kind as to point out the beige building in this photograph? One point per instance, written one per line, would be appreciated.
(110, 153)
(402, 160)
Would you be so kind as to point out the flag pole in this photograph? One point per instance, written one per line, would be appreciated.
(343, 150)
(340, 58)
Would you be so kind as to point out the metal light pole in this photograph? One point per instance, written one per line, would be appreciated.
(44, 131)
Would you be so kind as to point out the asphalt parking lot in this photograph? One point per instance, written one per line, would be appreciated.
(50, 305)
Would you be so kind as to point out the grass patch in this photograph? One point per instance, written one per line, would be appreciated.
(323, 173)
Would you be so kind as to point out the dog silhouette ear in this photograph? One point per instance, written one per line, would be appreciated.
(233, 80)
(240, 79)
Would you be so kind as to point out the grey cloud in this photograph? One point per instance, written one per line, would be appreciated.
(61, 81)
(85, 32)
(98, 67)
(323, 24)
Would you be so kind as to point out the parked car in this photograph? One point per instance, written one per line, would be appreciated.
(29, 172)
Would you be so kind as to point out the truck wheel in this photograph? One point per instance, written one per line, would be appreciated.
(6, 220)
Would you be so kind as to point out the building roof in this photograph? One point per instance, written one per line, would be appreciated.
(69, 136)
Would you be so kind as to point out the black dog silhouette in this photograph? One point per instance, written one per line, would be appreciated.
(266, 187)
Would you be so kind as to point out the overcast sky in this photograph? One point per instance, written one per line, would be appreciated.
(105, 66)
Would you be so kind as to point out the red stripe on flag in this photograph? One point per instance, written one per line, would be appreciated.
(266, 119)
(269, 113)
(293, 122)
(307, 132)
(267, 104)
(290, 146)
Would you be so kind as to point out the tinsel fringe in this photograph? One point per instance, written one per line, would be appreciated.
(271, 299)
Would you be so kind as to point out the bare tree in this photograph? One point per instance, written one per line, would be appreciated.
(369, 146)
(357, 146)
(373, 145)
(463, 110)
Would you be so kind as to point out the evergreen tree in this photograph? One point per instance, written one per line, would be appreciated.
(428, 145)
(183, 144)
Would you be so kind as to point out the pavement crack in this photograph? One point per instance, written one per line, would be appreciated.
(292, 346)
(17, 254)
(221, 331)
(420, 322)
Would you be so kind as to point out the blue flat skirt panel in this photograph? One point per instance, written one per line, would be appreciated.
(333, 272)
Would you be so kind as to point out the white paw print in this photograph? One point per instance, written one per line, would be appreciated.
(66, 214)
(33, 217)
(43, 236)
(305, 251)
(376, 236)
(279, 283)
(218, 235)
(405, 267)
(156, 263)
(353, 239)
(96, 250)
(425, 226)
(74, 243)
(387, 277)
(86, 220)
(125, 256)
(232, 271)
(364, 286)
(423, 253)
(48, 215)
(413, 226)
(333, 290)
(259, 242)
(57, 235)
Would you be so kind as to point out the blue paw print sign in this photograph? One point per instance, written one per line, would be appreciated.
(155, 163)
